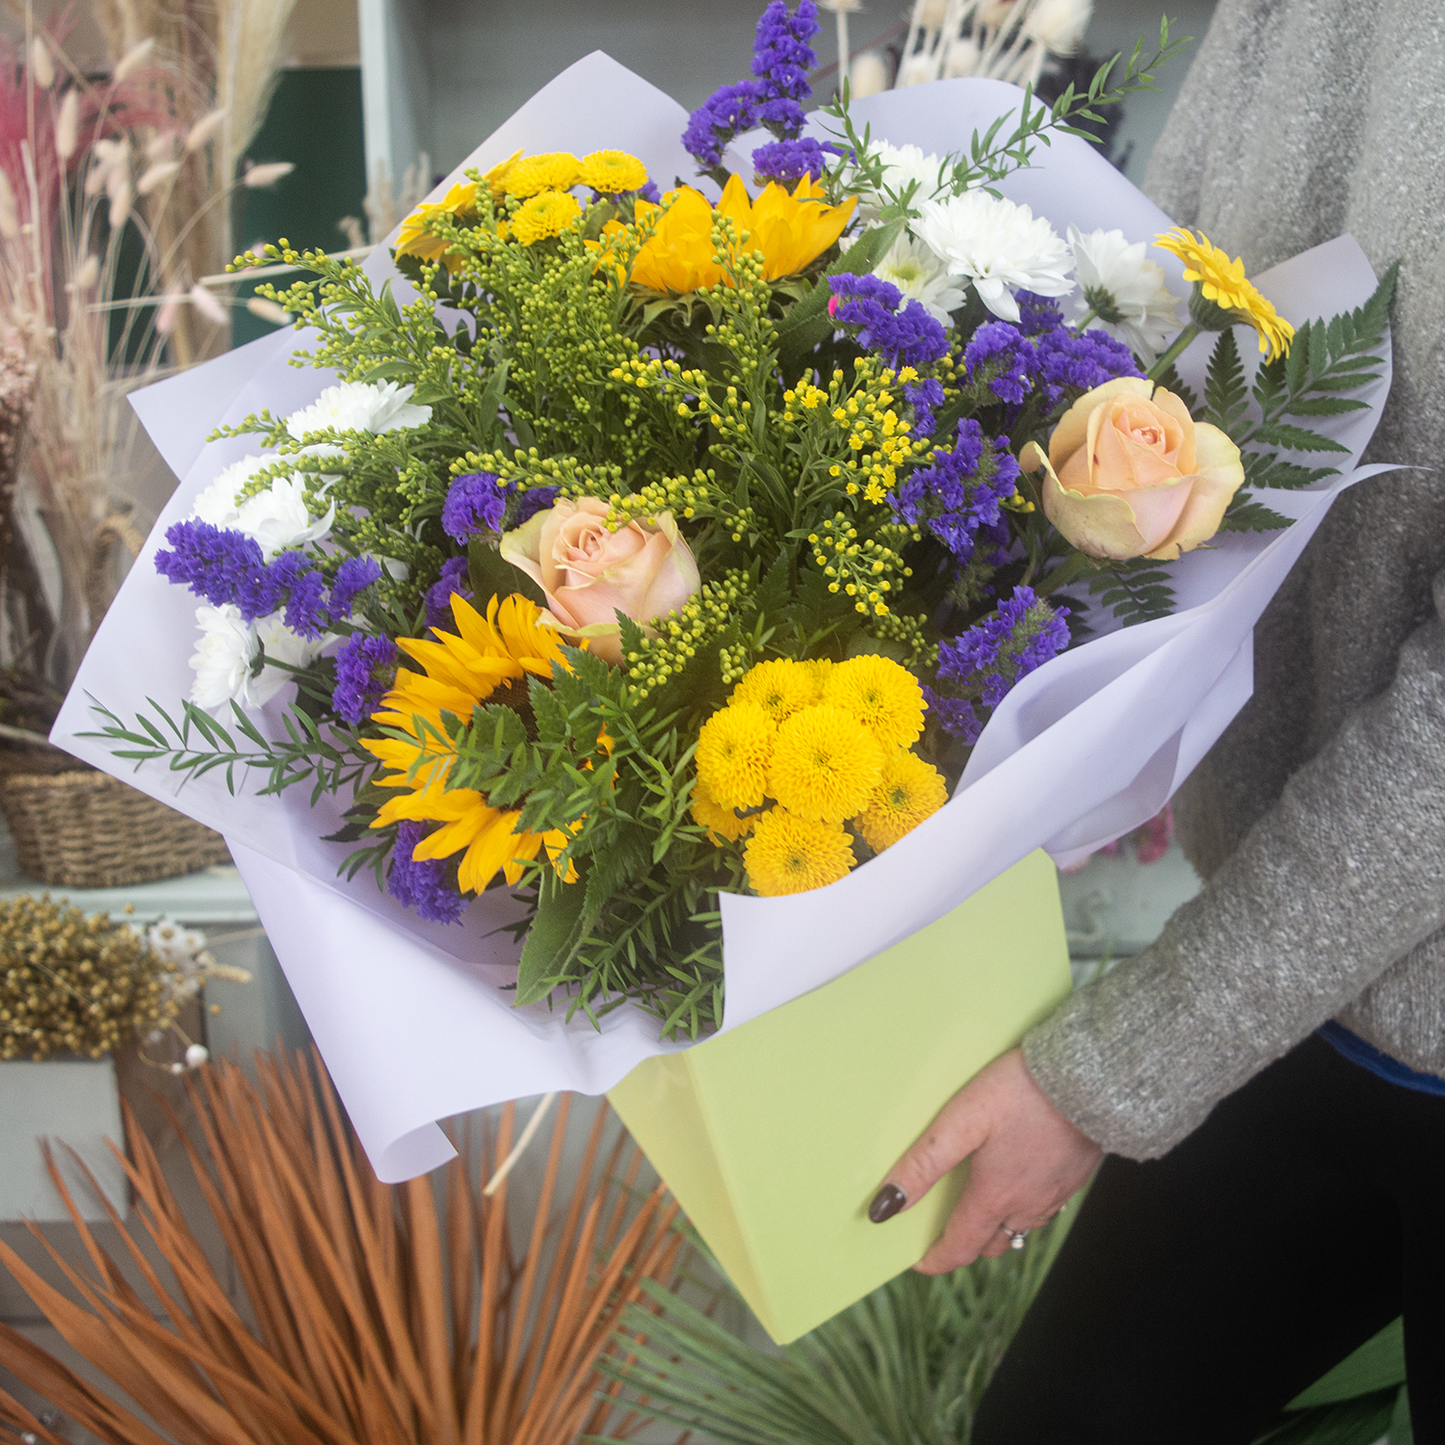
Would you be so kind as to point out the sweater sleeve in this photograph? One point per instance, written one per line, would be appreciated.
(1344, 877)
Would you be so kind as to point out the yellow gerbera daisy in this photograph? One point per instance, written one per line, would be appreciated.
(734, 747)
(882, 694)
(612, 172)
(788, 854)
(1222, 282)
(791, 231)
(554, 171)
(723, 824)
(462, 670)
(780, 687)
(825, 764)
(909, 791)
(414, 239)
(546, 214)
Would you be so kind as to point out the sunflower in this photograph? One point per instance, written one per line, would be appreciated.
(612, 172)
(908, 792)
(789, 854)
(734, 747)
(546, 214)
(883, 695)
(791, 231)
(825, 764)
(554, 171)
(780, 687)
(1222, 284)
(414, 239)
(723, 824)
(462, 670)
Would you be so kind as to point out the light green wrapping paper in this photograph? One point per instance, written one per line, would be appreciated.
(775, 1136)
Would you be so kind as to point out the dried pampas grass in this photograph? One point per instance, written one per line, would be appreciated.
(383, 1315)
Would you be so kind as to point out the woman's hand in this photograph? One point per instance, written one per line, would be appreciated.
(1028, 1160)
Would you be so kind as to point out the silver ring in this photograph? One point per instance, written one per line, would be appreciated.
(1016, 1237)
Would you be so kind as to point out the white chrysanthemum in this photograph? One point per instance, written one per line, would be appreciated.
(217, 504)
(902, 166)
(227, 651)
(1127, 293)
(223, 657)
(1001, 247)
(920, 275)
(278, 517)
(359, 406)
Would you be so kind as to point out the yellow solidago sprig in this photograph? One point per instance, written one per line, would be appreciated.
(462, 669)
(1223, 295)
(808, 755)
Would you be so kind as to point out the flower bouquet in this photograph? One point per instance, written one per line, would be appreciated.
(641, 642)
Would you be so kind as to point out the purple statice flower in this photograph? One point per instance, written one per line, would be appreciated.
(958, 495)
(476, 502)
(910, 337)
(649, 192)
(1037, 313)
(1082, 362)
(791, 160)
(307, 612)
(534, 501)
(955, 715)
(999, 356)
(782, 56)
(220, 565)
(782, 115)
(452, 578)
(1023, 634)
(422, 885)
(724, 114)
(365, 671)
(353, 577)
(925, 397)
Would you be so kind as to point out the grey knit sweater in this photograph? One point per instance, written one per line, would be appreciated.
(1320, 814)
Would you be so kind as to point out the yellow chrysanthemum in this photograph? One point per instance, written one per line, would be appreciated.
(791, 231)
(825, 764)
(544, 215)
(734, 748)
(780, 687)
(415, 240)
(723, 824)
(882, 694)
(554, 171)
(612, 172)
(909, 792)
(788, 854)
(1223, 283)
(462, 669)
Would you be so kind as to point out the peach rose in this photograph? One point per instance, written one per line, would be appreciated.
(590, 574)
(1131, 474)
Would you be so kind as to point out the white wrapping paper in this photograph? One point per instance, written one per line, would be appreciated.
(408, 1014)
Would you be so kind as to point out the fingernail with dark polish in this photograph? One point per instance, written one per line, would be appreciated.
(886, 1203)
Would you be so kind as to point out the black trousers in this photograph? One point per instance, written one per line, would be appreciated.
(1198, 1293)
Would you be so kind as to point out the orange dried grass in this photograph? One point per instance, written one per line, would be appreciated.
(384, 1315)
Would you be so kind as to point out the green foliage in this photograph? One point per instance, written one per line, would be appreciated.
(910, 1362)
(1244, 514)
(1136, 591)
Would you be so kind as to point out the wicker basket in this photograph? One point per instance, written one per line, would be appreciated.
(88, 830)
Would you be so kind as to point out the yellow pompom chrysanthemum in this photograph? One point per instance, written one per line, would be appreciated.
(882, 694)
(723, 824)
(547, 214)
(1222, 283)
(909, 792)
(734, 748)
(780, 687)
(612, 172)
(788, 854)
(554, 171)
(825, 764)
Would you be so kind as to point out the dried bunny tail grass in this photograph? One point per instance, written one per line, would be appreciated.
(383, 1315)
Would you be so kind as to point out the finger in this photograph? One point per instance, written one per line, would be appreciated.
(972, 1228)
(956, 1131)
